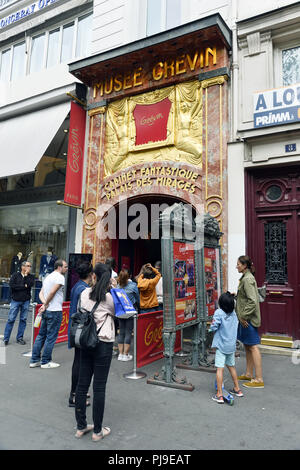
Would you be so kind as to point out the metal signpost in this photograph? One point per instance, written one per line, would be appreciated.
(210, 286)
(182, 280)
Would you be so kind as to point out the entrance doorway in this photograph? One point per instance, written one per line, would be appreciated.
(273, 243)
(134, 253)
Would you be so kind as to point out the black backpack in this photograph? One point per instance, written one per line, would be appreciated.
(83, 331)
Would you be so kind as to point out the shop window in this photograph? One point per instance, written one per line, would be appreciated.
(18, 61)
(291, 66)
(31, 231)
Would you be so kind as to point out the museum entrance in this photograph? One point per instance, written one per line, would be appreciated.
(139, 235)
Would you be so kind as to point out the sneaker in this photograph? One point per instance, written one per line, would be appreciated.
(237, 393)
(254, 384)
(244, 377)
(218, 399)
(121, 357)
(5, 342)
(34, 364)
(21, 341)
(127, 357)
(50, 365)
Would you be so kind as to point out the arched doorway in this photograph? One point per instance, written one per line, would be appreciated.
(139, 236)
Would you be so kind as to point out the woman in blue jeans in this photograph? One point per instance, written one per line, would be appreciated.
(96, 363)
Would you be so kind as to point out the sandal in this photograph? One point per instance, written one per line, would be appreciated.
(82, 432)
(72, 400)
(100, 435)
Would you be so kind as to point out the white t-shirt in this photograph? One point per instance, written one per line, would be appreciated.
(52, 279)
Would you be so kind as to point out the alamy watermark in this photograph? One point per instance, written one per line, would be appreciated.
(151, 221)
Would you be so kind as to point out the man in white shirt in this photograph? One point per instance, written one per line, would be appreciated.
(52, 296)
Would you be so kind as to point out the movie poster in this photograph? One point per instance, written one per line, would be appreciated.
(212, 279)
(185, 283)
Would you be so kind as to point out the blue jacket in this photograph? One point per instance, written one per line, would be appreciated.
(225, 326)
(74, 298)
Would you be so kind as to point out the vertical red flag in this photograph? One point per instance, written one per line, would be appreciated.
(73, 185)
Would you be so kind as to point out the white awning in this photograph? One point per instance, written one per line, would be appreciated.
(24, 139)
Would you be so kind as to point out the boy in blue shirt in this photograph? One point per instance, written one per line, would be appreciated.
(225, 324)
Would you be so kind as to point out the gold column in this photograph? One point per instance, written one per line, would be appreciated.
(214, 201)
(93, 178)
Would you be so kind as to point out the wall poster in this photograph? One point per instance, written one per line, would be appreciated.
(185, 282)
(212, 279)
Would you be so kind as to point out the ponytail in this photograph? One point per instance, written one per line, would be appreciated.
(246, 261)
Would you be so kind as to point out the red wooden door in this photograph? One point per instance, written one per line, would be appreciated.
(272, 234)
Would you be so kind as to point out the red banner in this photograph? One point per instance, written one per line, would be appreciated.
(150, 346)
(151, 121)
(63, 331)
(73, 185)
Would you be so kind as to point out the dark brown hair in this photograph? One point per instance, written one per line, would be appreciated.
(246, 261)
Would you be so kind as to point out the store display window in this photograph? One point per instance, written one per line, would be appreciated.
(31, 232)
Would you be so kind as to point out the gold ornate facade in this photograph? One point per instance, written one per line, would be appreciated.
(183, 141)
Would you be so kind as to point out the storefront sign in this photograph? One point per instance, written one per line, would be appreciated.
(172, 177)
(151, 121)
(34, 7)
(212, 279)
(73, 185)
(162, 70)
(276, 107)
(150, 346)
(63, 331)
(185, 284)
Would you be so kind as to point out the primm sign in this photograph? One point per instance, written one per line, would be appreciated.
(277, 106)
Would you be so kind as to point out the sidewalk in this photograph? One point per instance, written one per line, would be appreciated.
(34, 412)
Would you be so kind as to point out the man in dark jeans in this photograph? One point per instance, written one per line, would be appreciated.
(20, 285)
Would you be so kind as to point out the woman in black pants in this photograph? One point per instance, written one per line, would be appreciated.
(84, 271)
(96, 363)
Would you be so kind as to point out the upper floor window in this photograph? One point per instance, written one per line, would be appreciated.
(47, 49)
(291, 66)
(162, 15)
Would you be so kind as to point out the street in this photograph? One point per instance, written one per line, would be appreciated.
(34, 414)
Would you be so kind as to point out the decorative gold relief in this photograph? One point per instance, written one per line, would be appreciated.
(183, 140)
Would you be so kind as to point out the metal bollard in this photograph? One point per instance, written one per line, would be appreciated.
(134, 374)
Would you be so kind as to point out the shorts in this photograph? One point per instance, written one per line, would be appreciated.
(222, 359)
(248, 336)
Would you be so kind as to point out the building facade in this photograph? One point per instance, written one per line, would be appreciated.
(37, 40)
(158, 134)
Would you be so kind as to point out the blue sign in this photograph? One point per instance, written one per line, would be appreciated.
(276, 107)
(26, 11)
(290, 148)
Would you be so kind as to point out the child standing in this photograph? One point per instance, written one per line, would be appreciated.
(225, 324)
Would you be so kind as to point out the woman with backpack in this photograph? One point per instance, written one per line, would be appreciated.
(96, 363)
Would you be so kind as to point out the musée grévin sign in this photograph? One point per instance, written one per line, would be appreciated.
(188, 64)
(29, 10)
